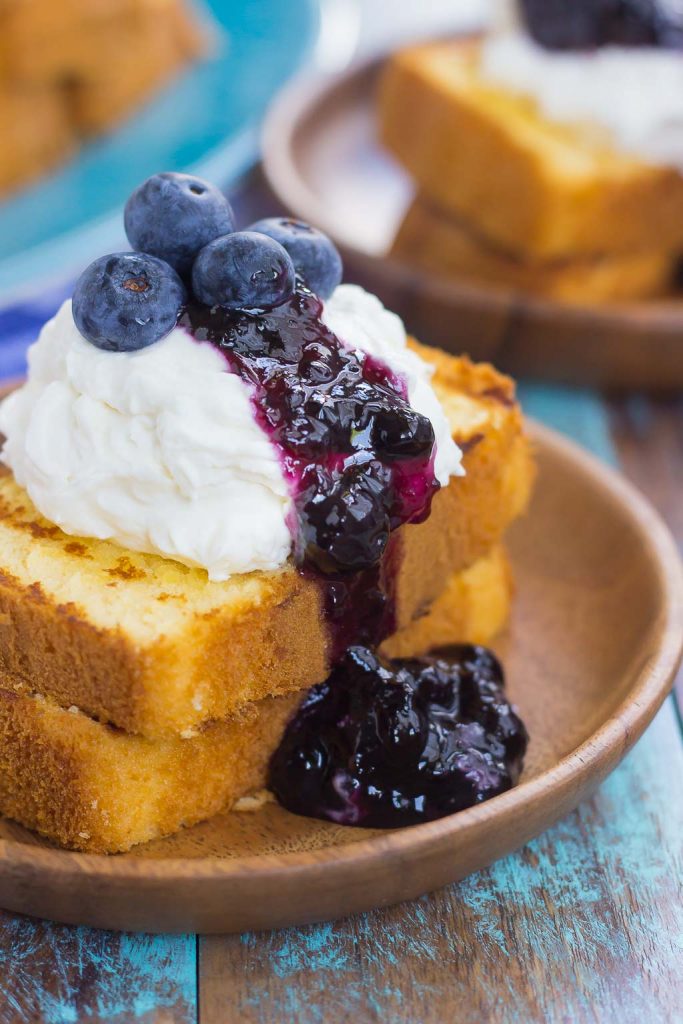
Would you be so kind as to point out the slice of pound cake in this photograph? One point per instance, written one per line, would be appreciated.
(117, 790)
(442, 244)
(241, 508)
(491, 156)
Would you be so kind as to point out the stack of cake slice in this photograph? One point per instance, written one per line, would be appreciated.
(506, 196)
(71, 69)
(137, 697)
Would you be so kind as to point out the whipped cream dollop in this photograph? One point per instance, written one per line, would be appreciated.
(159, 449)
(634, 94)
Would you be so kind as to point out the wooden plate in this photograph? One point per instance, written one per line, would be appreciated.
(590, 655)
(323, 163)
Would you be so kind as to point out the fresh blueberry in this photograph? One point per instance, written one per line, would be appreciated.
(243, 270)
(558, 25)
(344, 517)
(398, 432)
(588, 24)
(314, 256)
(126, 301)
(173, 216)
(643, 23)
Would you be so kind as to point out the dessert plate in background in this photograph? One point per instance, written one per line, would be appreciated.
(590, 655)
(324, 164)
(205, 121)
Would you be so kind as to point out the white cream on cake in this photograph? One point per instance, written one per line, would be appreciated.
(633, 94)
(360, 320)
(159, 449)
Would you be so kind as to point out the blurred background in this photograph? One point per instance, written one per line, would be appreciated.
(95, 95)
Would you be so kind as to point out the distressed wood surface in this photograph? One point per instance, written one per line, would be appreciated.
(649, 442)
(584, 924)
(54, 974)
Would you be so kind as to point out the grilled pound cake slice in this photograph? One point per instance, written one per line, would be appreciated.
(532, 186)
(92, 787)
(441, 243)
(153, 647)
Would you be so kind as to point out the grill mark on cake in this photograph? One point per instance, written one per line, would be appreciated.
(500, 395)
(125, 570)
(469, 443)
(40, 531)
(77, 548)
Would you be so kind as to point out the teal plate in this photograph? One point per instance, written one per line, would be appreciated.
(206, 121)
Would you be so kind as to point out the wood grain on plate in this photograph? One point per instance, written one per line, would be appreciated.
(590, 656)
(323, 164)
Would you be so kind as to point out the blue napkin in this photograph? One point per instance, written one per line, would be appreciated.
(20, 324)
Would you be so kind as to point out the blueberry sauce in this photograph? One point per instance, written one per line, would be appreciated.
(358, 459)
(385, 744)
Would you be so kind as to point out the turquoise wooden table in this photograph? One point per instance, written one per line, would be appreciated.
(585, 924)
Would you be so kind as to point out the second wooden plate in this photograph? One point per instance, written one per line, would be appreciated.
(323, 163)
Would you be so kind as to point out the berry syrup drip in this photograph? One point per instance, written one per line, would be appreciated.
(359, 460)
(384, 744)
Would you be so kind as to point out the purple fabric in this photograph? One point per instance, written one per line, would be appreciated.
(20, 323)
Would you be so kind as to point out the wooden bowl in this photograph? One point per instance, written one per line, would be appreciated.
(323, 163)
(590, 655)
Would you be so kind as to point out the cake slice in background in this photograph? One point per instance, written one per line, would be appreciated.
(567, 161)
(74, 69)
(443, 244)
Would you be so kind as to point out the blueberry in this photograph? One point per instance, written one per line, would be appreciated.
(398, 432)
(587, 24)
(243, 270)
(315, 257)
(344, 518)
(559, 25)
(126, 301)
(173, 216)
(643, 23)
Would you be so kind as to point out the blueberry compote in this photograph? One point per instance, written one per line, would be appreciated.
(359, 460)
(384, 744)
